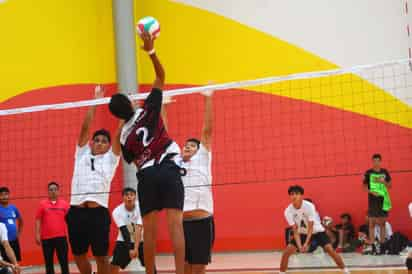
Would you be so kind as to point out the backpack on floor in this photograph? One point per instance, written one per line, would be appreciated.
(395, 244)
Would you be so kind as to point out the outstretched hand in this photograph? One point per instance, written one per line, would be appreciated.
(168, 100)
(209, 92)
(148, 43)
(98, 92)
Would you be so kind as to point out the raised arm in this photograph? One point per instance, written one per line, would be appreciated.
(116, 147)
(84, 132)
(166, 100)
(206, 138)
(148, 46)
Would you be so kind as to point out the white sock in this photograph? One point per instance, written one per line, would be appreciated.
(346, 271)
(282, 272)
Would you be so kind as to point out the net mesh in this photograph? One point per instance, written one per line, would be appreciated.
(279, 129)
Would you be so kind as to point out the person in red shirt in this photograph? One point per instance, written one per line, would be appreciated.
(51, 229)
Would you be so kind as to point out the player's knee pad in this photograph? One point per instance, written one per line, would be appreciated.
(409, 263)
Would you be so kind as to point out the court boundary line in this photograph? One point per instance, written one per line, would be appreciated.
(308, 268)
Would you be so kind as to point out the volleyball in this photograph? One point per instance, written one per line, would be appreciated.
(327, 220)
(149, 24)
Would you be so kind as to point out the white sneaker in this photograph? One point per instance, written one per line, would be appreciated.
(318, 250)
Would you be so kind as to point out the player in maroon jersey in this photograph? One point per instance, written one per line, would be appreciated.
(145, 142)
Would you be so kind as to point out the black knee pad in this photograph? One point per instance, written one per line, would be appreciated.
(409, 263)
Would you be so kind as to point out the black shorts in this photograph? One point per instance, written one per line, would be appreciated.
(15, 245)
(160, 186)
(199, 239)
(6, 270)
(321, 239)
(375, 207)
(121, 256)
(89, 227)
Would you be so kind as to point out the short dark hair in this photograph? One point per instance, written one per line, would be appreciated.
(347, 216)
(121, 107)
(296, 189)
(53, 184)
(376, 156)
(127, 190)
(102, 132)
(4, 189)
(194, 140)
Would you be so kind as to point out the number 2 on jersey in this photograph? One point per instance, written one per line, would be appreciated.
(145, 132)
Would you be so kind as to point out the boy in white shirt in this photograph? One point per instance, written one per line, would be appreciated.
(88, 219)
(198, 220)
(302, 217)
(129, 243)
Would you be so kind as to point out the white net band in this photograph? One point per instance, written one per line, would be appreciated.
(224, 86)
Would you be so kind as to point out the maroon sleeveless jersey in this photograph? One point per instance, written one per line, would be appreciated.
(144, 136)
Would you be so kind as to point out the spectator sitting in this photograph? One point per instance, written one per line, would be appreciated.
(346, 231)
(331, 231)
(388, 232)
(363, 234)
(363, 237)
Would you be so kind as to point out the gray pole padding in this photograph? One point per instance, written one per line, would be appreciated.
(126, 69)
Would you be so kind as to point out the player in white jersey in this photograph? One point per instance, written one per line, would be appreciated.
(198, 222)
(129, 242)
(302, 217)
(409, 259)
(88, 219)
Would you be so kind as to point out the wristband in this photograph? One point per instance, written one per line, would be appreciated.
(151, 52)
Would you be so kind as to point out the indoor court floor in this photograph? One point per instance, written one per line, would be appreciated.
(268, 262)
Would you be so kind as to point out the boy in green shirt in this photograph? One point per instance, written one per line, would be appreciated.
(377, 181)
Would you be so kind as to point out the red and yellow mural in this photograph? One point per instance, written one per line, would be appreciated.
(265, 137)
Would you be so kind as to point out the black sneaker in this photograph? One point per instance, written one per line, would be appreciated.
(367, 250)
(377, 248)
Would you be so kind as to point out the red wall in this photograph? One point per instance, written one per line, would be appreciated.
(262, 144)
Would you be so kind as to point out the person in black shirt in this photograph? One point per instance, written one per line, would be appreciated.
(376, 213)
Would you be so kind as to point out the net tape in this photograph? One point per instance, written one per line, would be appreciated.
(216, 87)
